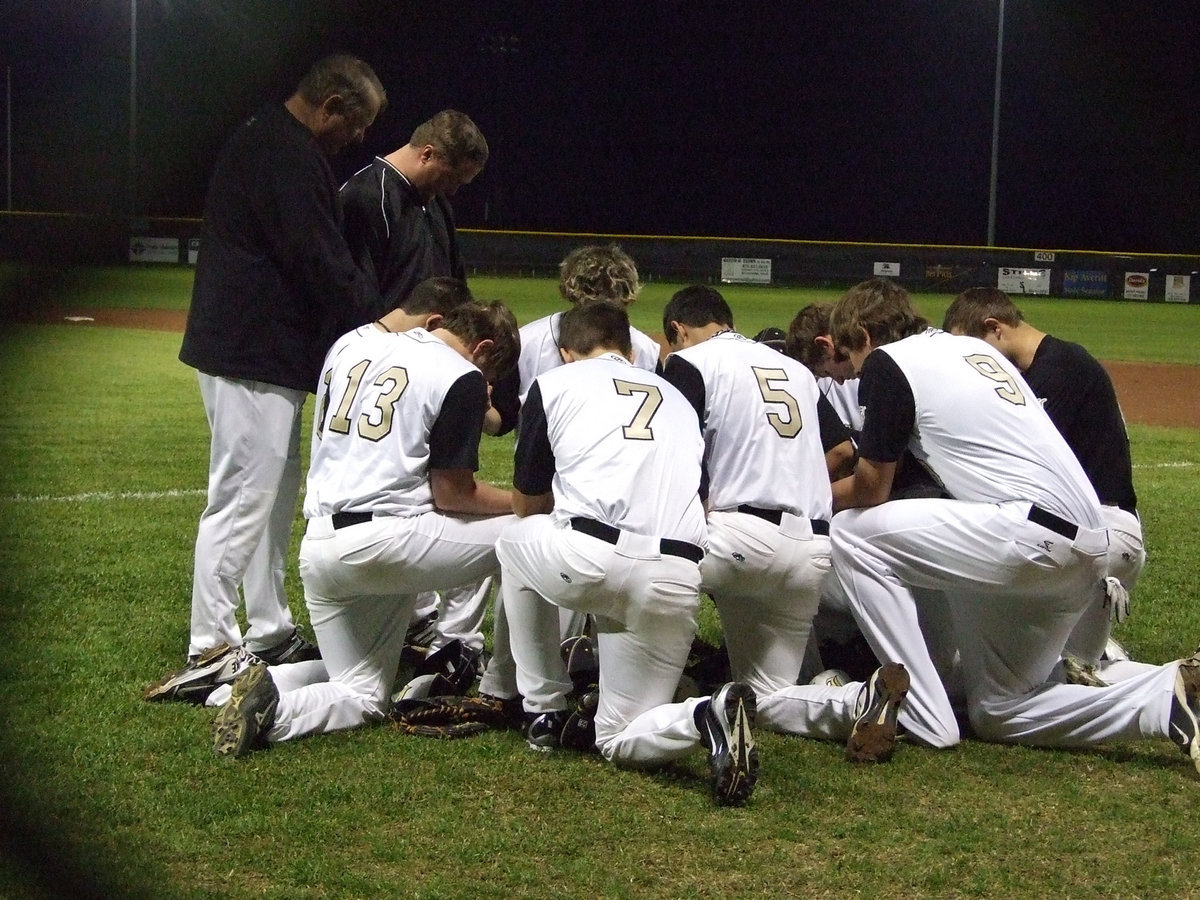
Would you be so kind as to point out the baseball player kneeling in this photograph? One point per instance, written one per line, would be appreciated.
(610, 523)
(393, 509)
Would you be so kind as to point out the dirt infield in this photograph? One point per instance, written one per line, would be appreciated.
(1150, 394)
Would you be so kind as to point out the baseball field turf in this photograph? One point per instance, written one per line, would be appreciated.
(104, 455)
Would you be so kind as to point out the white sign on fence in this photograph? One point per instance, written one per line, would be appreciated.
(1024, 281)
(1137, 285)
(150, 249)
(745, 270)
(887, 269)
(1179, 288)
(193, 250)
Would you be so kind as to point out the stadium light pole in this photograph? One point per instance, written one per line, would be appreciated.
(991, 226)
(132, 109)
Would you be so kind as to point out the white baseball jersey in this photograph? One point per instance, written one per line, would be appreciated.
(973, 431)
(625, 451)
(539, 350)
(390, 407)
(758, 410)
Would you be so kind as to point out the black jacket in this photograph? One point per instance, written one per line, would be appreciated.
(275, 282)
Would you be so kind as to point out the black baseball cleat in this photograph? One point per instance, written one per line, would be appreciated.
(1184, 723)
(242, 723)
(873, 738)
(725, 729)
(583, 663)
(579, 730)
(543, 731)
(202, 674)
(293, 649)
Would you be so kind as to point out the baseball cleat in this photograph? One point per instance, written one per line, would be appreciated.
(1184, 723)
(831, 678)
(293, 649)
(543, 731)
(726, 732)
(873, 738)
(579, 730)
(242, 723)
(195, 681)
(422, 631)
(583, 663)
(1076, 671)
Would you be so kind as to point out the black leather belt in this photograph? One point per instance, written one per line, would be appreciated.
(775, 516)
(610, 535)
(1058, 524)
(346, 519)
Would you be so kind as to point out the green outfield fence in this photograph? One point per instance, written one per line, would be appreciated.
(68, 239)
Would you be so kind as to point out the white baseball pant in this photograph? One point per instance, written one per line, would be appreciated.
(360, 584)
(244, 534)
(645, 604)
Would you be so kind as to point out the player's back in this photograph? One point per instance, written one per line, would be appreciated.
(762, 439)
(982, 431)
(379, 398)
(626, 448)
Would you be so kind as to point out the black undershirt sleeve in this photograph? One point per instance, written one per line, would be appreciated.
(533, 463)
(833, 430)
(891, 413)
(454, 437)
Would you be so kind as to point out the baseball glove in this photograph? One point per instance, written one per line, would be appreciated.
(449, 717)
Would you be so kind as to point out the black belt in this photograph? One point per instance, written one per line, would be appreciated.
(775, 516)
(1058, 524)
(346, 519)
(610, 534)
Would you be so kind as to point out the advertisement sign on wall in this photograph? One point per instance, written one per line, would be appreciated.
(1137, 285)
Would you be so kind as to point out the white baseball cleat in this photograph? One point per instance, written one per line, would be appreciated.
(202, 674)
(1184, 723)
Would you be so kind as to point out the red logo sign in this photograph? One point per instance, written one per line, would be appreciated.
(1136, 280)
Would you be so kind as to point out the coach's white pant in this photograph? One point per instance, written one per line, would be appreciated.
(645, 606)
(765, 581)
(1015, 590)
(1126, 559)
(245, 531)
(360, 584)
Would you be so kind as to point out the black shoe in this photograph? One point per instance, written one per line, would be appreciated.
(579, 731)
(583, 663)
(293, 649)
(543, 731)
(725, 729)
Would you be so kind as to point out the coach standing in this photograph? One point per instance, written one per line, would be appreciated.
(275, 285)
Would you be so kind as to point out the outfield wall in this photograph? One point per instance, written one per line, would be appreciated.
(67, 240)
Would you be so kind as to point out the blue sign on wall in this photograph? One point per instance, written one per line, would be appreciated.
(1085, 283)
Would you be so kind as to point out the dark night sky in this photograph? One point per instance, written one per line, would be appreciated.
(846, 120)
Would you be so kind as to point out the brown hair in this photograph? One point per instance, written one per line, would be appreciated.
(484, 321)
(881, 308)
(966, 312)
(598, 272)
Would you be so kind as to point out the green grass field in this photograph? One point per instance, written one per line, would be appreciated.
(104, 461)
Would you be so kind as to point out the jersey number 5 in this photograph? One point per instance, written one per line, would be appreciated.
(790, 425)
(639, 429)
(370, 427)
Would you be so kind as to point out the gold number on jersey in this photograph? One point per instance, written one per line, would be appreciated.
(394, 380)
(790, 425)
(1006, 386)
(340, 423)
(325, 379)
(639, 429)
(385, 403)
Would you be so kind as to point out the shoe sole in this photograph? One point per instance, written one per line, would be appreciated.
(176, 685)
(873, 738)
(734, 782)
(1184, 727)
(232, 733)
